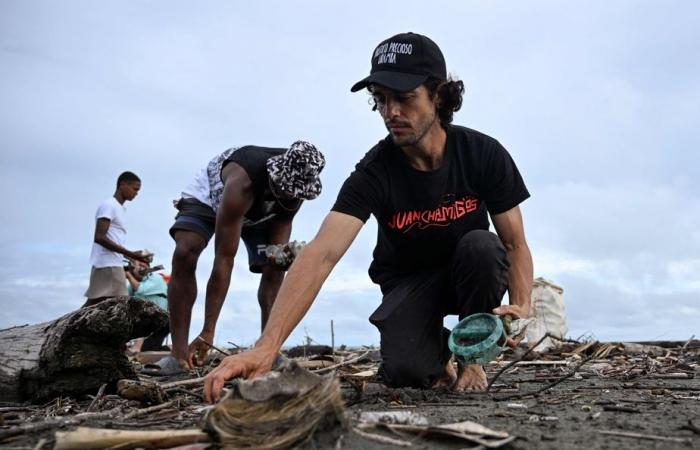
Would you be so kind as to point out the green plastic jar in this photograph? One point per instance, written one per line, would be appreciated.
(477, 339)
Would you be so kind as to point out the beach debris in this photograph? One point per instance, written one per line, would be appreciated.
(650, 437)
(618, 385)
(77, 353)
(282, 255)
(469, 431)
(516, 406)
(393, 417)
(515, 328)
(277, 410)
(145, 392)
(98, 438)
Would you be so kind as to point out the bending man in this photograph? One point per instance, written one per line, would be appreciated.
(250, 193)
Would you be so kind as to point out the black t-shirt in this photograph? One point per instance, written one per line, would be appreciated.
(422, 215)
(265, 206)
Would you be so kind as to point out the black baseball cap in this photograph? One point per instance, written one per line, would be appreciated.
(403, 62)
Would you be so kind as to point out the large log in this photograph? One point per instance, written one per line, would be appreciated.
(76, 353)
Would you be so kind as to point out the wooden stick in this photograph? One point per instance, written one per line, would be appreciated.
(142, 411)
(551, 385)
(382, 439)
(96, 400)
(58, 422)
(180, 383)
(332, 340)
(687, 343)
(85, 438)
(39, 445)
(344, 363)
(652, 437)
(214, 347)
(512, 363)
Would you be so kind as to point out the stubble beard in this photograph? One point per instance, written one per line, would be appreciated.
(417, 136)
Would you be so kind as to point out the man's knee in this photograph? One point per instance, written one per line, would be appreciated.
(481, 250)
(188, 247)
(406, 373)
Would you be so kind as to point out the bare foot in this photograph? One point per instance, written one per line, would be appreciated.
(449, 376)
(471, 378)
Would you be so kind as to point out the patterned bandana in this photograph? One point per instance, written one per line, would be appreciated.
(296, 172)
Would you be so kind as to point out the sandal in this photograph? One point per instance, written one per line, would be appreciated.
(165, 367)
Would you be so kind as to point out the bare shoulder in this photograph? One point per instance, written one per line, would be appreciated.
(234, 174)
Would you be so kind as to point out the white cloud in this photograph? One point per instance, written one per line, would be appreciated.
(599, 112)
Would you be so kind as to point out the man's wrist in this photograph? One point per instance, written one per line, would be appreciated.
(207, 331)
(267, 345)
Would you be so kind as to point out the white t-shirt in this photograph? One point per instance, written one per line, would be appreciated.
(207, 186)
(199, 188)
(116, 213)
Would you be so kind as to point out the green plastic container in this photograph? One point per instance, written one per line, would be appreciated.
(477, 339)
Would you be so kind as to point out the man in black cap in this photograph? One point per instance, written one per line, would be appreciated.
(431, 186)
(248, 193)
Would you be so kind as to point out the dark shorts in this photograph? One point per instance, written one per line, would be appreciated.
(200, 218)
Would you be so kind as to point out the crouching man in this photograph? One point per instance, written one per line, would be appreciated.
(431, 186)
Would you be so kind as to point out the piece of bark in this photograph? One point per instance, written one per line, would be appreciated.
(77, 353)
(308, 350)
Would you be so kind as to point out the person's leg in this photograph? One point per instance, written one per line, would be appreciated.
(270, 282)
(413, 341)
(182, 289)
(154, 342)
(256, 240)
(479, 273)
(480, 279)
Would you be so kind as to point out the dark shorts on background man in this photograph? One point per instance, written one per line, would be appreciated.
(200, 218)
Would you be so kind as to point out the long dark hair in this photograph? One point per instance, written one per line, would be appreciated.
(449, 95)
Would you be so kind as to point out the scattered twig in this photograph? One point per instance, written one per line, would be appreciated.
(620, 408)
(692, 427)
(550, 385)
(181, 383)
(188, 392)
(224, 352)
(687, 343)
(514, 362)
(382, 439)
(142, 411)
(651, 437)
(36, 427)
(95, 401)
(332, 340)
(344, 363)
(235, 345)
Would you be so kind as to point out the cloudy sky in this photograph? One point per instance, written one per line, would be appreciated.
(598, 102)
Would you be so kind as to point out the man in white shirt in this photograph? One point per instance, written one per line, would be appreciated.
(107, 278)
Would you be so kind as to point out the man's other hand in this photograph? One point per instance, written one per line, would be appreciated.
(198, 349)
(249, 364)
(516, 312)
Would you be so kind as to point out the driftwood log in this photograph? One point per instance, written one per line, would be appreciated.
(76, 353)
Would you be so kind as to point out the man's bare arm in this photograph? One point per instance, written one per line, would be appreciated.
(509, 226)
(299, 289)
(101, 228)
(235, 202)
